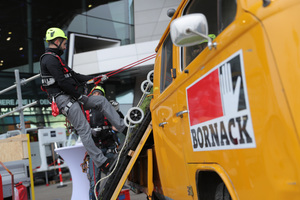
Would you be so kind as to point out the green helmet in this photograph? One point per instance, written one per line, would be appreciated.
(98, 89)
(53, 33)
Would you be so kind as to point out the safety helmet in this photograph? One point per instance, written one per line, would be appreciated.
(115, 104)
(53, 33)
(98, 89)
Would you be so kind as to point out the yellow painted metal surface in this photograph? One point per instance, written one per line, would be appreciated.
(150, 185)
(30, 168)
(168, 145)
(267, 39)
(131, 162)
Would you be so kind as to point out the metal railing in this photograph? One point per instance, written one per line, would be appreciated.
(20, 107)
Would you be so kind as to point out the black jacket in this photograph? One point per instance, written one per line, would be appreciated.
(53, 66)
(97, 119)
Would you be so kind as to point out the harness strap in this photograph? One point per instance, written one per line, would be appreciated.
(57, 94)
(54, 54)
(66, 109)
(102, 128)
(43, 88)
(49, 80)
(115, 150)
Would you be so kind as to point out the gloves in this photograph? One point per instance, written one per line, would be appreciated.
(100, 79)
(115, 104)
(83, 99)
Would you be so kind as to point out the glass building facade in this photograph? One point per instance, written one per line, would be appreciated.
(22, 31)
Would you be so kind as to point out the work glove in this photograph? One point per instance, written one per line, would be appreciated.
(115, 104)
(97, 80)
(83, 99)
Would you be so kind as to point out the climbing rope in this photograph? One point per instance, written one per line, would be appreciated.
(130, 65)
(126, 67)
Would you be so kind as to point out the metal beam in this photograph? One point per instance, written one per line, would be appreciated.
(23, 82)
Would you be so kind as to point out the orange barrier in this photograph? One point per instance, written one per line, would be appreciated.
(61, 183)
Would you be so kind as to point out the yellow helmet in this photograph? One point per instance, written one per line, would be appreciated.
(100, 89)
(53, 33)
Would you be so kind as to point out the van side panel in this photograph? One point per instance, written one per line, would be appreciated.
(283, 31)
(257, 147)
(269, 168)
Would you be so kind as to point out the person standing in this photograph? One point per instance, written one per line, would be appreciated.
(61, 84)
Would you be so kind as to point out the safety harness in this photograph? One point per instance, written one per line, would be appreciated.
(49, 80)
(66, 109)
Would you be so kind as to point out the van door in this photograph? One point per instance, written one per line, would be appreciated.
(167, 137)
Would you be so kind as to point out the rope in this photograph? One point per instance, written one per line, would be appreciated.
(125, 144)
(117, 162)
(130, 65)
(114, 72)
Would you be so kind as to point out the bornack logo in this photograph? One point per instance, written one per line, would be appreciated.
(219, 112)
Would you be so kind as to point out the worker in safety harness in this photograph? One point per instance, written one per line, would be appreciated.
(104, 134)
(61, 83)
(105, 138)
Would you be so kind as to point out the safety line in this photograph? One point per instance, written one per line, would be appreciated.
(125, 68)
(130, 65)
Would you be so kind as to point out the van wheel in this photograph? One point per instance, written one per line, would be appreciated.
(135, 115)
(222, 192)
(150, 77)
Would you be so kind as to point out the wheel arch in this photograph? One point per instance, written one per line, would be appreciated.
(208, 177)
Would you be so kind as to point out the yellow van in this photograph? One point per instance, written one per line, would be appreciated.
(225, 107)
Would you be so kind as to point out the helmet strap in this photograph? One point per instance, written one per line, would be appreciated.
(58, 46)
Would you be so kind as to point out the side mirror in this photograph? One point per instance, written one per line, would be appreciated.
(190, 30)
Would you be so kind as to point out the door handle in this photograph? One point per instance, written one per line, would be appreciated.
(180, 114)
(162, 124)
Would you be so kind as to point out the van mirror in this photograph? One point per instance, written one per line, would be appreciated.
(190, 30)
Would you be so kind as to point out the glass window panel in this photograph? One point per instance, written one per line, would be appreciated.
(166, 64)
(219, 14)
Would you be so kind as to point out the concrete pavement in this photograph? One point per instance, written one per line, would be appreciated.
(52, 192)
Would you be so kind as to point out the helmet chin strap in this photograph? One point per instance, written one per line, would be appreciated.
(58, 46)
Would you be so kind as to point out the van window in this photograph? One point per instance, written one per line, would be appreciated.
(166, 64)
(219, 14)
